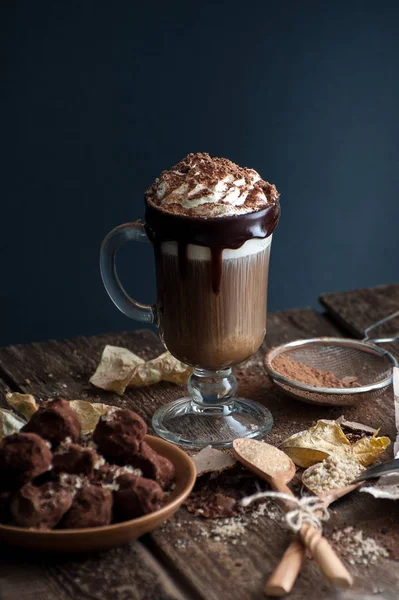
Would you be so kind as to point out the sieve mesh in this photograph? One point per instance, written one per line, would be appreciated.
(369, 364)
(329, 399)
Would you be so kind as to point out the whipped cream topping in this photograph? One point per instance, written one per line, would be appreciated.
(202, 186)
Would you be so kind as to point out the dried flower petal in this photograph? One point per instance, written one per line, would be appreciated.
(89, 413)
(115, 369)
(366, 450)
(22, 403)
(326, 438)
(119, 368)
(163, 368)
(9, 423)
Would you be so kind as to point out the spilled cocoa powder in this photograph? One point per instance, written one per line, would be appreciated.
(307, 374)
(217, 495)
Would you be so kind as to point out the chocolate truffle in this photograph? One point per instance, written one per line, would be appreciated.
(55, 421)
(135, 496)
(154, 466)
(91, 507)
(118, 434)
(41, 507)
(106, 474)
(5, 515)
(23, 456)
(71, 458)
(75, 482)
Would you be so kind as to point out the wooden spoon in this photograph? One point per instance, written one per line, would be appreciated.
(277, 469)
(284, 576)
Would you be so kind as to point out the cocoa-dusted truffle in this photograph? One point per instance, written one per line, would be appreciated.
(23, 456)
(55, 421)
(41, 507)
(118, 434)
(154, 466)
(91, 507)
(106, 474)
(5, 515)
(72, 458)
(135, 496)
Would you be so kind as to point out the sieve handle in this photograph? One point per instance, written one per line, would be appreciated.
(377, 324)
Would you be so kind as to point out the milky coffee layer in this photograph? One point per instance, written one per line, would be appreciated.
(205, 187)
(208, 330)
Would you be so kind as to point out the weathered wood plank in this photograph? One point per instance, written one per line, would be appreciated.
(29, 581)
(357, 309)
(4, 388)
(124, 573)
(205, 565)
(64, 367)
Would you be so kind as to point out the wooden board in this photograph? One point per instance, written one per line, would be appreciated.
(130, 572)
(180, 558)
(357, 309)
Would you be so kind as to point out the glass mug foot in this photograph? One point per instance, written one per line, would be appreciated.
(182, 423)
(213, 415)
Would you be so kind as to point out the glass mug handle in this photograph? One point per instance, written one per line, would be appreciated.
(146, 313)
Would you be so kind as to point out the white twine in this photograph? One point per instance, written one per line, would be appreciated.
(308, 509)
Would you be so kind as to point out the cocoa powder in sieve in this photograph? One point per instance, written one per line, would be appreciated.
(307, 374)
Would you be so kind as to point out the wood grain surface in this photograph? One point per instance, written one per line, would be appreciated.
(179, 560)
(358, 309)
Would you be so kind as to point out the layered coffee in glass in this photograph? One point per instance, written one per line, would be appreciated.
(211, 224)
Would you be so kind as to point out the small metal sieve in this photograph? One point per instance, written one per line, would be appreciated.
(363, 361)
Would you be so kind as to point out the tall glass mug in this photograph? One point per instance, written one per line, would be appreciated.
(210, 312)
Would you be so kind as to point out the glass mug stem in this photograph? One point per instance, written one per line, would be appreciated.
(212, 388)
(211, 414)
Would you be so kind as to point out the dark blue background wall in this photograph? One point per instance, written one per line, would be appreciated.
(100, 96)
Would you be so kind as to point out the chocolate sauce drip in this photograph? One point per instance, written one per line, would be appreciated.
(216, 268)
(218, 234)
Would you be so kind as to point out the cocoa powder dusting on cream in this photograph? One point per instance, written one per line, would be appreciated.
(201, 185)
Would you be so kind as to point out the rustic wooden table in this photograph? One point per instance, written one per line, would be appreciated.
(177, 561)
